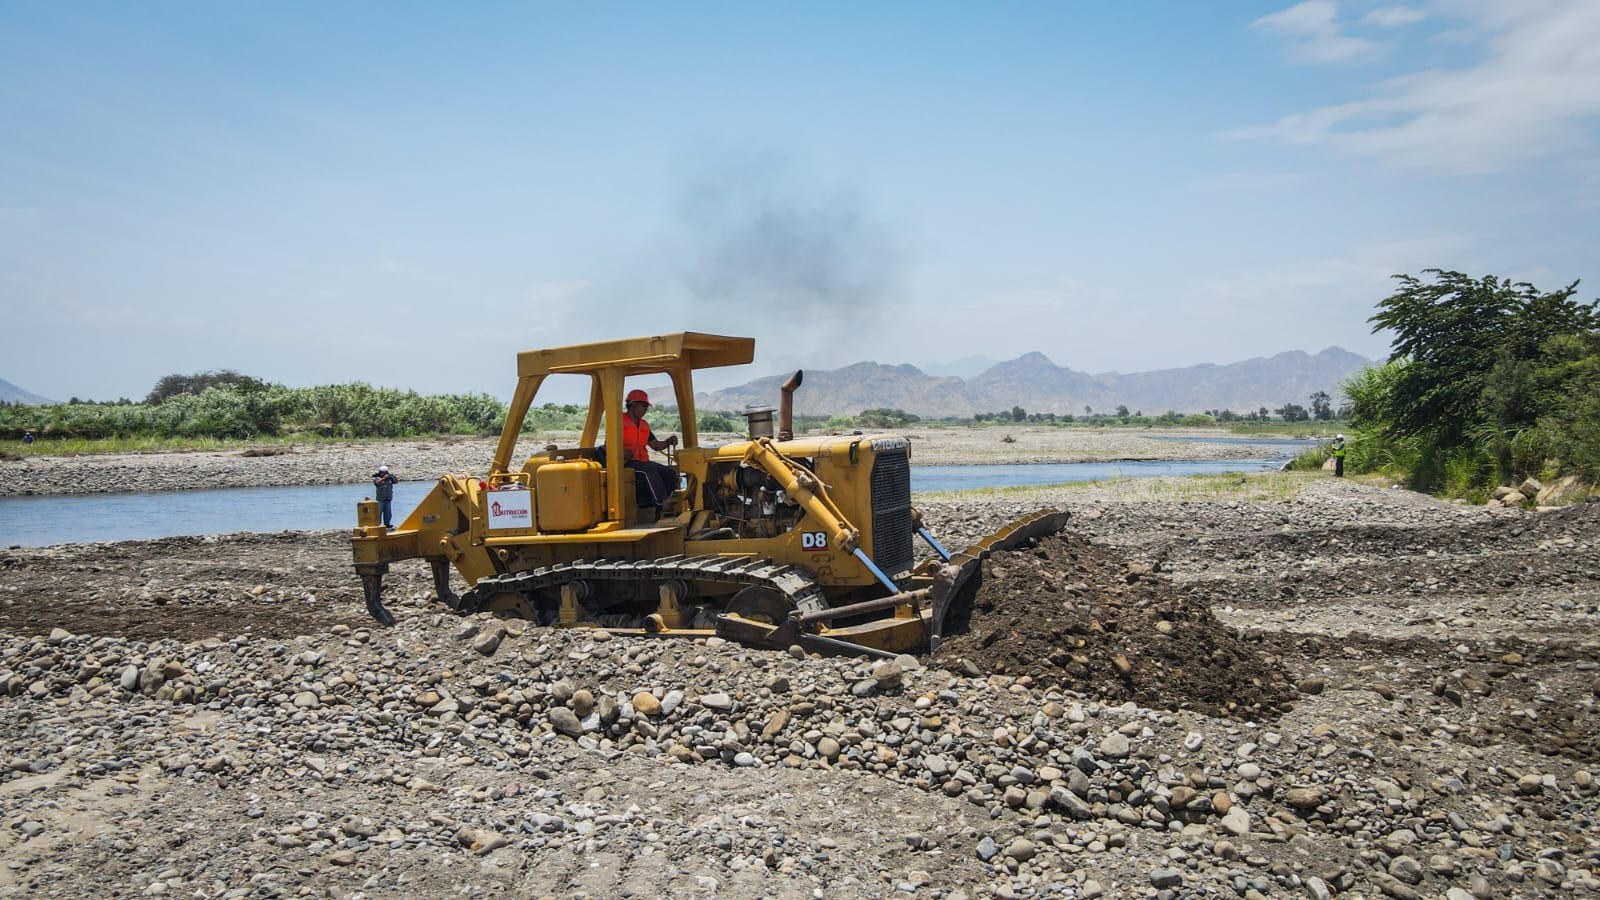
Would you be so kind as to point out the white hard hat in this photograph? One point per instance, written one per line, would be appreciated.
(1339, 436)
(386, 468)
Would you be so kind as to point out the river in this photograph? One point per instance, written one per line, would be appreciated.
(58, 519)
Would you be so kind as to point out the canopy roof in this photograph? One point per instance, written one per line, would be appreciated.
(640, 356)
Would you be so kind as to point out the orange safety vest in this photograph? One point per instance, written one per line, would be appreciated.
(636, 438)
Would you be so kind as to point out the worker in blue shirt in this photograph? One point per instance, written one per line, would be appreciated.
(384, 481)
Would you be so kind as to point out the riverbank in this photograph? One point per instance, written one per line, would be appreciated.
(426, 459)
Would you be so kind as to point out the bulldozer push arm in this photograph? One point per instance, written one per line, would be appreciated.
(811, 493)
(804, 488)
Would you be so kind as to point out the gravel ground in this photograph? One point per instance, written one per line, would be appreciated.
(426, 459)
(214, 717)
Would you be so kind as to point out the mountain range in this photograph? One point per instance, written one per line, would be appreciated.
(1036, 384)
(10, 393)
(1030, 381)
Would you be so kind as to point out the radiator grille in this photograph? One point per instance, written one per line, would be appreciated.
(892, 529)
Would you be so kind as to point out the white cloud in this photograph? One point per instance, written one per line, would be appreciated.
(1394, 16)
(1315, 34)
(1535, 93)
(1307, 19)
(1454, 36)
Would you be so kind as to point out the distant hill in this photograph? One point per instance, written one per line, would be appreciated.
(10, 393)
(1035, 383)
(965, 367)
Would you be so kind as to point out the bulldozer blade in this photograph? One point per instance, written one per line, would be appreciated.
(947, 582)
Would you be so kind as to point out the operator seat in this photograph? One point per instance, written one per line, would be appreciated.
(643, 497)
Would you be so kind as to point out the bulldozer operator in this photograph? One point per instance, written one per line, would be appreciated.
(637, 442)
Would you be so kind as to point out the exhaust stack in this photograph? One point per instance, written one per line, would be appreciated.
(786, 406)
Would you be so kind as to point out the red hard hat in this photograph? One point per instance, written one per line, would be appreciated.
(637, 395)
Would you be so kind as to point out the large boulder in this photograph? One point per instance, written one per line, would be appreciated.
(1507, 496)
(1564, 490)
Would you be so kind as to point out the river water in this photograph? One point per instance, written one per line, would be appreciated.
(45, 520)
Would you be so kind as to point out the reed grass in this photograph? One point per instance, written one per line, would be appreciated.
(89, 446)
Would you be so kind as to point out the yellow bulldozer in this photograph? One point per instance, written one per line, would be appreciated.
(768, 540)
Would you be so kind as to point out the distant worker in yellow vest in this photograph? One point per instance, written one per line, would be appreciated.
(1338, 456)
(637, 442)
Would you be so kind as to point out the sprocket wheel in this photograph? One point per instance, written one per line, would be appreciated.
(761, 603)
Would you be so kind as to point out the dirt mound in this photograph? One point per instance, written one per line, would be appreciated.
(1075, 614)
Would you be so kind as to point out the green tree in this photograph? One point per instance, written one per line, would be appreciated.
(173, 385)
(1485, 381)
(886, 418)
(1569, 375)
(1321, 406)
(1457, 333)
(716, 421)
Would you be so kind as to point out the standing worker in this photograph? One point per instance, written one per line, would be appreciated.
(637, 442)
(1338, 456)
(385, 481)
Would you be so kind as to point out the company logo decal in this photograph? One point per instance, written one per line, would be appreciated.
(511, 509)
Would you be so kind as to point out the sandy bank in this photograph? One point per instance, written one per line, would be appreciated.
(425, 459)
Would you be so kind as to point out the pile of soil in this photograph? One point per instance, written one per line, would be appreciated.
(1070, 613)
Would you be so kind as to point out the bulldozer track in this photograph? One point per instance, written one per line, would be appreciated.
(792, 582)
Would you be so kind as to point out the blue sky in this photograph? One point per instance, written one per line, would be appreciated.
(408, 194)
